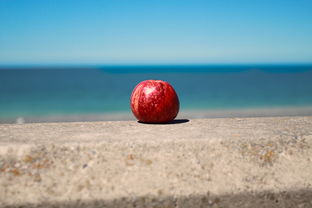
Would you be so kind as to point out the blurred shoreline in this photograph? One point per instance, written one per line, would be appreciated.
(101, 94)
(183, 114)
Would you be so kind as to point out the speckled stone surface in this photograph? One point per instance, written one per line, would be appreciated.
(234, 162)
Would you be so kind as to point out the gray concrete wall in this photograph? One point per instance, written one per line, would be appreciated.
(234, 162)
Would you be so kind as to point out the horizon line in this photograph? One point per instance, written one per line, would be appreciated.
(95, 65)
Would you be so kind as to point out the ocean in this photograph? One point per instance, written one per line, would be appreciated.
(27, 94)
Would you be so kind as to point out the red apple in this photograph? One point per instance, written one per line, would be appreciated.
(154, 101)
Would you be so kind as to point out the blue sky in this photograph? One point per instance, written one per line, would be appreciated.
(155, 31)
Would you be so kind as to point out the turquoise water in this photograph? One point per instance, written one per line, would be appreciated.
(91, 90)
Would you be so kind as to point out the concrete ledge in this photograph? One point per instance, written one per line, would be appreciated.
(234, 162)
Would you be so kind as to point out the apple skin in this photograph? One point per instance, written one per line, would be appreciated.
(154, 101)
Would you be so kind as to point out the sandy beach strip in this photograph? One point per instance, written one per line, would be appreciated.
(183, 114)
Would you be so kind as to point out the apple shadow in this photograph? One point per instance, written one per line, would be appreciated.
(175, 121)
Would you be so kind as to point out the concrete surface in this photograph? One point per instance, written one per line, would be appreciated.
(225, 162)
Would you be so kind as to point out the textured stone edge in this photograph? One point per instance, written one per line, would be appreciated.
(285, 199)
